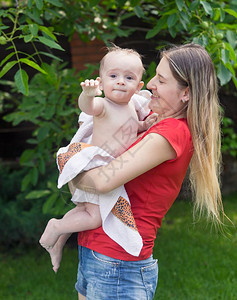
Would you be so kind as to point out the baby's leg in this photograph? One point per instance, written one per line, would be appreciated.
(80, 218)
(57, 250)
(50, 237)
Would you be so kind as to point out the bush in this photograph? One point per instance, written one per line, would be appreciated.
(21, 218)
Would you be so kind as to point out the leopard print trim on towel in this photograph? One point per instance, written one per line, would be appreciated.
(122, 210)
(72, 150)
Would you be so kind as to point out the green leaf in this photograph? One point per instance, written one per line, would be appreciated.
(229, 66)
(29, 3)
(232, 38)
(39, 4)
(223, 74)
(231, 12)
(222, 14)
(15, 117)
(33, 65)
(34, 175)
(217, 14)
(3, 27)
(50, 43)
(224, 55)
(10, 47)
(27, 155)
(50, 55)
(33, 29)
(172, 32)
(48, 32)
(28, 38)
(184, 19)
(25, 182)
(138, 11)
(32, 141)
(7, 67)
(50, 111)
(7, 58)
(225, 26)
(55, 2)
(96, 2)
(21, 80)
(172, 19)
(232, 53)
(134, 2)
(41, 164)
(35, 16)
(159, 25)
(49, 203)
(36, 194)
(170, 12)
(235, 81)
(180, 4)
(43, 132)
(207, 7)
(193, 5)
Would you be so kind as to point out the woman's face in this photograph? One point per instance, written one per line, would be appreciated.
(166, 99)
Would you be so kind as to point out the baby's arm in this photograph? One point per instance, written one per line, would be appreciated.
(87, 101)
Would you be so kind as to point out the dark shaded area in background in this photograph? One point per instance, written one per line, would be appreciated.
(13, 139)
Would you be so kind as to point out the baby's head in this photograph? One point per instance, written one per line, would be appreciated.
(121, 71)
(116, 52)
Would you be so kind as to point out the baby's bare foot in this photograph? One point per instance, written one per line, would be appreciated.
(50, 235)
(56, 256)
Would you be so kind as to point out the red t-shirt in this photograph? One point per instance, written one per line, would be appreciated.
(151, 194)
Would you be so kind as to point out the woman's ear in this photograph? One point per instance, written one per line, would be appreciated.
(186, 95)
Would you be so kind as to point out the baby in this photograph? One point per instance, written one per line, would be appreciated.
(121, 72)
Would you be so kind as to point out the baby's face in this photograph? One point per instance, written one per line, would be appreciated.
(121, 76)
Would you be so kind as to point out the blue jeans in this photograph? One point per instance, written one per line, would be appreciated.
(104, 278)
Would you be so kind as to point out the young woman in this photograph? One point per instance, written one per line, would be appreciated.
(187, 134)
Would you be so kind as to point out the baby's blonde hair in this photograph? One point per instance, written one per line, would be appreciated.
(117, 49)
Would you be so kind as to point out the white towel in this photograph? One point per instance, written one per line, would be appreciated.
(116, 214)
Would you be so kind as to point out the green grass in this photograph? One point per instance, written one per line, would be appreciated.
(195, 263)
(28, 275)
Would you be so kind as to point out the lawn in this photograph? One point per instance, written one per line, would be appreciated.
(195, 263)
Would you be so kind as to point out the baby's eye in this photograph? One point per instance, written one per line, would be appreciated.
(129, 77)
(112, 75)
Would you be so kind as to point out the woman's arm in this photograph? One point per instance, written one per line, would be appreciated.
(151, 151)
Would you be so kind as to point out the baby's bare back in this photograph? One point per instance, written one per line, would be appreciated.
(116, 128)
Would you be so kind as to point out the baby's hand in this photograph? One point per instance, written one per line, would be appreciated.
(150, 120)
(91, 87)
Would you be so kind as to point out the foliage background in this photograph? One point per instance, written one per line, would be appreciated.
(46, 97)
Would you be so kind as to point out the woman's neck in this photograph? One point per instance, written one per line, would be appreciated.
(175, 115)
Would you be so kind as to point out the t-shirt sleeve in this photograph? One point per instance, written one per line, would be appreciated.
(175, 131)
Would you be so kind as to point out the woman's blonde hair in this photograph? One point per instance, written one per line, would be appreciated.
(192, 67)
